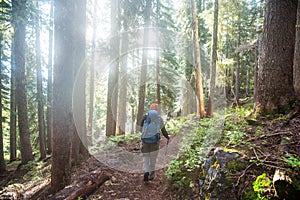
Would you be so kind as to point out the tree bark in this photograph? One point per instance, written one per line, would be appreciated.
(238, 65)
(158, 52)
(111, 114)
(63, 126)
(41, 122)
(248, 82)
(275, 82)
(79, 139)
(189, 104)
(81, 19)
(2, 161)
(122, 105)
(142, 88)
(213, 66)
(13, 111)
(237, 80)
(256, 70)
(297, 55)
(158, 87)
(19, 23)
(92, 79)
(49, 112)
(257, 52)
(198, 73)
(283, 186)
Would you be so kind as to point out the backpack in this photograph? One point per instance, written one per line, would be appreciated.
(151, 128)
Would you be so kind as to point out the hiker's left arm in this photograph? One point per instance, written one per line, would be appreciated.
(164, 132)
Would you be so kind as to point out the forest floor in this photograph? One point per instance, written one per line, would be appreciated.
(131, 186)
(32, 181)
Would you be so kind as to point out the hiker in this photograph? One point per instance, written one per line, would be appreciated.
(152, 125)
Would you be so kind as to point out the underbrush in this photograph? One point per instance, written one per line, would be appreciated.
(258, 138)
(24, 178)
(124, 139)
(183, 171)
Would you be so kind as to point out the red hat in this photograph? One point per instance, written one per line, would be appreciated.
(154, 106)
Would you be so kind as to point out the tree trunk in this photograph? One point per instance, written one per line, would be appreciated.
(198, 73)
(228, 82)
(227, 85)
(257, 51)
(41, 122)
(275, 82)
(123, 77)
(19, 23)
(283, 186)
(2, 161)
(63, 126)
(185, 100)
(297, 55)
(92, 79)
(188, 103)
(81, 55)
(123, 82)
(158, 95)
(13, 119)
(13, 111)
(50, 85)
(238, 65)
(213, 62)
(132, 119)
(256, 70)
(142, 88)
(248, 82)
(79, 139)
(113, 71)
(158, 52)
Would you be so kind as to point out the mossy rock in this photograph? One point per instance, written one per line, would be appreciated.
(236, 166)
(215, 181)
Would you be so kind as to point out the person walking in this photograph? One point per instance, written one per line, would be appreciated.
(152, 124)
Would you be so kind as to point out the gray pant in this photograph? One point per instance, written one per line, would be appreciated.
(150, 152)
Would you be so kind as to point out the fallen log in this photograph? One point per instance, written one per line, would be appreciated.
(83, 187)
(284, 187)
(34, 191)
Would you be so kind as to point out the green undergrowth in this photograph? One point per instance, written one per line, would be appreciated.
(237, 128)
(26, 176)
(201, 137)
(225, 129)
(124, 139)
(38, 171)
(260, 188)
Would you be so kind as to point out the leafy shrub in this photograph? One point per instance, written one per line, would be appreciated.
(124, 139)
(196, 144)
(261, 186)
(292, 161)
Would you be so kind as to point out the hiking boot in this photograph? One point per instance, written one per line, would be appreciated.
(151, 176)
(146, 176)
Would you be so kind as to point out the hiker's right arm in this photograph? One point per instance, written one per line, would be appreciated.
(163, 129)
(142, 121)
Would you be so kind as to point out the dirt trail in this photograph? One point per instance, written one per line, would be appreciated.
(130, 186)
